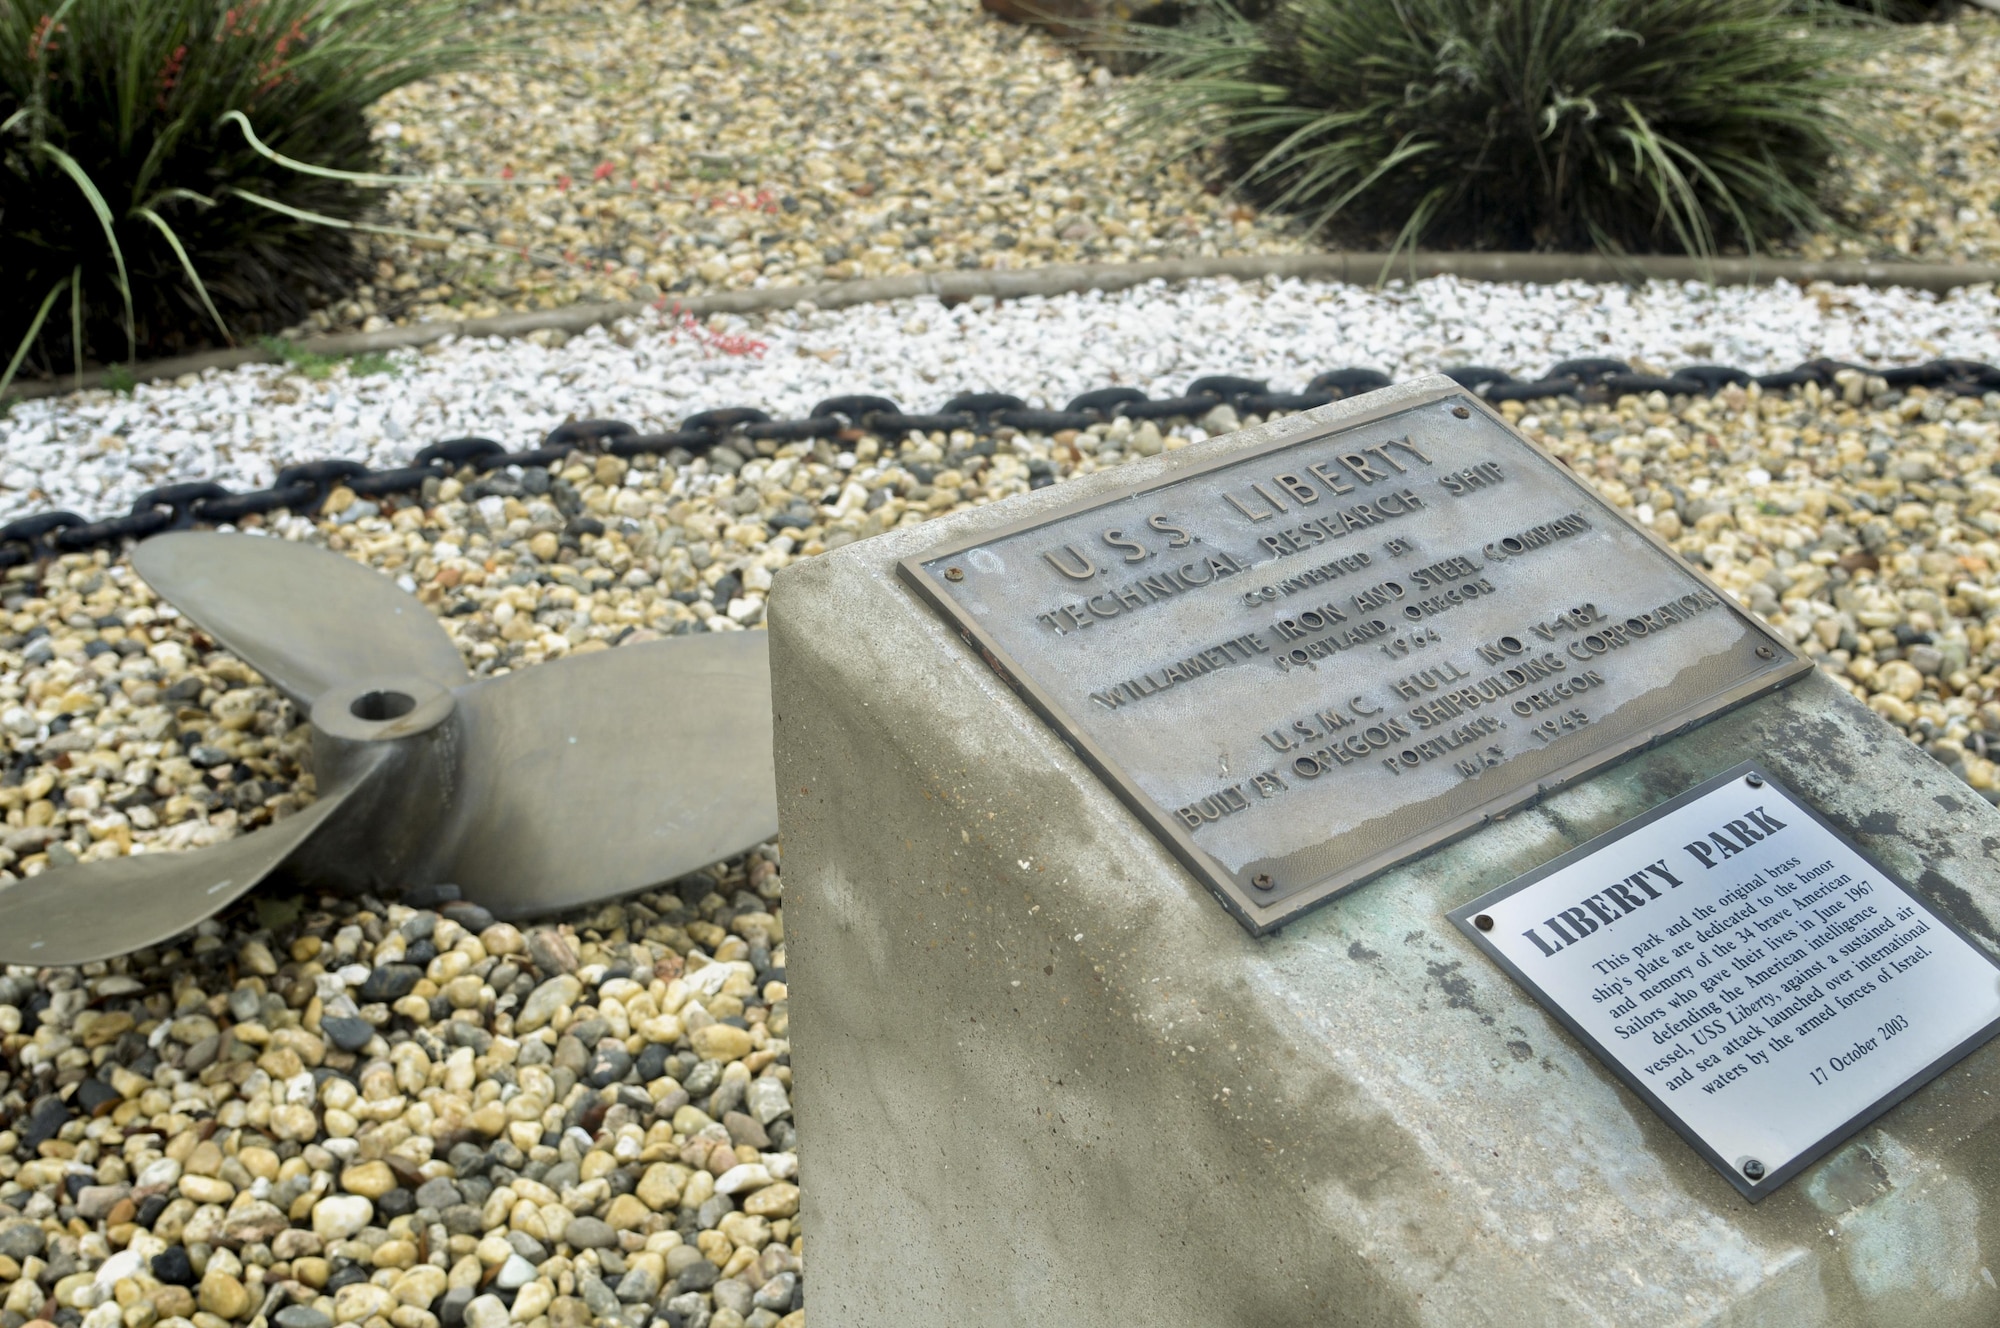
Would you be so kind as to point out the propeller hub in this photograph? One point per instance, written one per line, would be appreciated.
(381, 709)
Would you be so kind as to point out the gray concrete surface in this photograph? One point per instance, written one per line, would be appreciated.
(1045, 1079)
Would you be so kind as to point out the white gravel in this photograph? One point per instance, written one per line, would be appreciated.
(93, 452)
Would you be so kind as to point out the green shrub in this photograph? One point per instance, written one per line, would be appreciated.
(138, 215)
(1680, 125)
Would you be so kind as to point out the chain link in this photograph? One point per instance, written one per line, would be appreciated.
(302, 488)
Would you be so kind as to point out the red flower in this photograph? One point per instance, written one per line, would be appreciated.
(40, 41)
(240, 20)
(725, 343)
(170, 73)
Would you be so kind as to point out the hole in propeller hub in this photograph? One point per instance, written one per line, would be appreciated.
(384, 708)
(379, 707)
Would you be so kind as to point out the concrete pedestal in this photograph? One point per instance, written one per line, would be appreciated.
(1046, 1079)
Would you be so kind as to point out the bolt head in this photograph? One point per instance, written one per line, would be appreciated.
(1754, 780)
(1262, 880)
(954, 574)
(1753, 1168)
(1484, 922)
(1463, 412)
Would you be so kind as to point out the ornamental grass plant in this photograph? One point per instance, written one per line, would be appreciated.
(180, 173)
(1619, 125)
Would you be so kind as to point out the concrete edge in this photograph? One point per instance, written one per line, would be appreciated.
(1067, 278)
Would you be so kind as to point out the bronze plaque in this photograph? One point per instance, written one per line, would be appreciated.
(1307, 662)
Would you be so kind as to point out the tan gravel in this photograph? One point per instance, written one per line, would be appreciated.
(1860, 523)
(588, 1123)
(1937, 198)
(692, 147)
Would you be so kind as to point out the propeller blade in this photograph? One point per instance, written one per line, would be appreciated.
(600, 774)
(73, 915)
(304, 617)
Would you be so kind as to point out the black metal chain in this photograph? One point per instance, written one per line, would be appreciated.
(304, 487)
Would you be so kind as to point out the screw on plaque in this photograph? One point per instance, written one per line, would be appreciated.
(1753, 1168)
(1484, 922)
(1754, 780)
(1463, 412)
(1262, 880)
(954, 574)
(1765, 652)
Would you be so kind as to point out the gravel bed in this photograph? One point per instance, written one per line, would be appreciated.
(1940, 108)
(94, 452)
(701, 147)
(706, 147)
(312, 1111)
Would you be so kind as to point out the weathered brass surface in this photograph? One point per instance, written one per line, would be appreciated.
(1304, 664)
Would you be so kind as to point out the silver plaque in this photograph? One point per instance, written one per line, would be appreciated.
(1303, 663)
(1746, 970)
